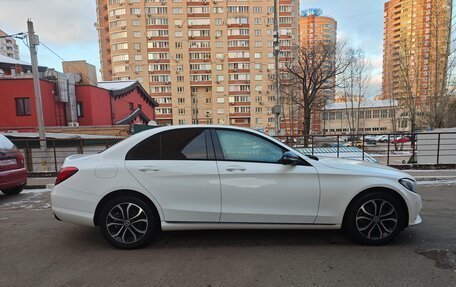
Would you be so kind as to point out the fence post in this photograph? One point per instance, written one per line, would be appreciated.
(81, 147)
(28, 155)
(338, 142)
(438, 148)
(312, 145)
(55, 156)
(363, 147)
(388, 152)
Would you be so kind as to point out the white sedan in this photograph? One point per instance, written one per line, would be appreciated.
(221, 177)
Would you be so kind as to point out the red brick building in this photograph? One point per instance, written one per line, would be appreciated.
(109, 103)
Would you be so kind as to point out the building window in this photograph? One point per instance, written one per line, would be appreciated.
(80, 109)
(140, 106)
(23, 106)
(131, 106)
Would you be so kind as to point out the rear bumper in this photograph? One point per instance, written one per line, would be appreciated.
(13, 178)
(73, 206)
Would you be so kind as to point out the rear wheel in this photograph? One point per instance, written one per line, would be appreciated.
(128, 222)
(14, 191)
(375, 218)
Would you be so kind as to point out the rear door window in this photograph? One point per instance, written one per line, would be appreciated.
(179, 144)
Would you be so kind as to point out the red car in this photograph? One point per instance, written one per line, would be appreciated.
(13, 175)
(401, 140)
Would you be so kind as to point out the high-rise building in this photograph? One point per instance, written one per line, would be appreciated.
(8, 46)
(415, 42)
(203, 61)
(316, 29)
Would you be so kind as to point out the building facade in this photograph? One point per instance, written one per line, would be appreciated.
(367, 116)
(110, 103)
(203, 61)
(415, 45)
(8, 46)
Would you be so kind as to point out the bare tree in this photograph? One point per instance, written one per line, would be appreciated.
(311, 71)
(442, 59)
(354, 82)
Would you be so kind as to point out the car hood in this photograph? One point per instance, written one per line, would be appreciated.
(363, 167)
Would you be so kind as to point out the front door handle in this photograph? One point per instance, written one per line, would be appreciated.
(235, 169)
(149, 169)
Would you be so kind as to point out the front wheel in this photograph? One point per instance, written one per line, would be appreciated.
(375, 218)
(128, 222)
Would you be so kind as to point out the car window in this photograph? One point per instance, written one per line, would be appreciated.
(242, 146)
(5, 143)
(180, 144)
(184, 144)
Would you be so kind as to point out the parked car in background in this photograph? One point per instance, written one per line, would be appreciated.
(400, 139)
(222, 177)
(381, 138)
(13, 175)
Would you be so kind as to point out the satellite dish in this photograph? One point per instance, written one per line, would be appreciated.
(152, 123)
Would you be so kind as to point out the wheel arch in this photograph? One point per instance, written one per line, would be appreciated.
(387, 190)
(120, 192)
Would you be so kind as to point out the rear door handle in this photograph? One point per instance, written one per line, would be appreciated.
(149, 169)
(235, 169)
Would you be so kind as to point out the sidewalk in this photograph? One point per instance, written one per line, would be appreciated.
(420, 175)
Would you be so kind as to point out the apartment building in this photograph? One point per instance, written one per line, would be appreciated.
(8, 46)
(205, 62)
(415, 43)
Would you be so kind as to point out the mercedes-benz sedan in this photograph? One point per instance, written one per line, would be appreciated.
(220, 177)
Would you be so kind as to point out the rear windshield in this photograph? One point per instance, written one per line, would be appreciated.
(5, 144)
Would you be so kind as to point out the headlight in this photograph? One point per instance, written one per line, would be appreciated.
(408, 183)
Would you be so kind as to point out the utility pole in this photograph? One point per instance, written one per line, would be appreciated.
(277, 109)
(33, 42)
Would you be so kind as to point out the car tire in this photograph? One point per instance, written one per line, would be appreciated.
(127, 222)
(13, 191)
(374, 218)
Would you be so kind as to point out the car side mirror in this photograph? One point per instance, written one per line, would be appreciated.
(289, 157)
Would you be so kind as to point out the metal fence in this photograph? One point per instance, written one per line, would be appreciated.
(429, 148)
(50, 159)
(434, 148)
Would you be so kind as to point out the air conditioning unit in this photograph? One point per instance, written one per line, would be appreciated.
(189, 25)
(268, 92)
(138, 49)
(131, 2)
(73, 124)
(126, 61)
(218, 36)
(163, 2)
(260, 92)
(216, 1)
(123, 27)
(156, 60)
(269, 112)
(117, 16)
(206, 60)
(149, 14)
(150, 37)
(205, 2)
(208, 71)
(180, 25)
(138, 15)
(190, 37)
(219, 82)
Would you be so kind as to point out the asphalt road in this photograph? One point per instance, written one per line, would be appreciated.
(37, 250)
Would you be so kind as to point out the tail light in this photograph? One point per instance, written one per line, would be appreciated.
(20, 160)
(65, 173)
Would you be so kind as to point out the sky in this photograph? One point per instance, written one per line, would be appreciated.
(67, 27)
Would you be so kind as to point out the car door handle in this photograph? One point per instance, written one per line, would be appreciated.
(149, 169)
(235, 169)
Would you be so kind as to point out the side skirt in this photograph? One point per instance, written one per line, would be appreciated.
(173, 226)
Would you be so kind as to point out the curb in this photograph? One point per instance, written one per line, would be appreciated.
(435, 178)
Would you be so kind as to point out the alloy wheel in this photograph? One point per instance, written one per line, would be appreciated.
(376, 219)
(127, 223)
